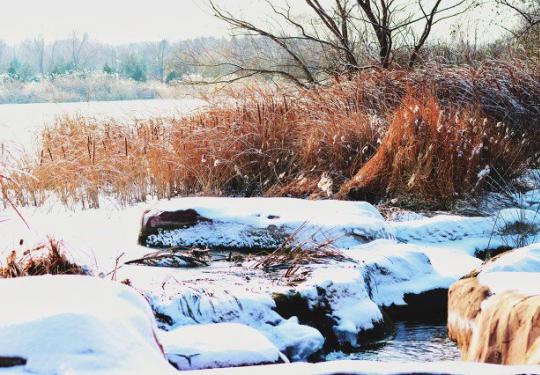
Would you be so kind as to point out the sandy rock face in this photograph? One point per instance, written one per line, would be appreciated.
(465, 298)
(494, 316)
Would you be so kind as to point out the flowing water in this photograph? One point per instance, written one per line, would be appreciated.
(412, 342)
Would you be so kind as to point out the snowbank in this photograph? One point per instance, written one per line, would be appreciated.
(525, 259)
(393, 270)
(343, 292)
(469, 234)
(77, 324)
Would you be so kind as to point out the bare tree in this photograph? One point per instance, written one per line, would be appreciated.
(78, 46)
(527, 10)
(160, 58)
(39, 52)
(324, 38)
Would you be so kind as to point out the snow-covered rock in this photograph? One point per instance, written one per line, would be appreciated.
(259, 223)
(217, 345)
(525, 259)
(342, 292)
(223, 294)
(471, 234)
(393, 270)
(299, 342)
(77, 324)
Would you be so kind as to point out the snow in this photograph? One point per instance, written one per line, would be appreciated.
(376, 368)
(378, 273)
(527, 283)
(222, 294)
(525, 259)
(217, 345)
(237, 222)
(347, 297)
(393, 270)
(425, 254)
(470, 234)
(517, 270)
(77, 324)
(302, 341)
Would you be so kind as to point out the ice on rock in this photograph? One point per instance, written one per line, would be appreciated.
(343, 291)
(204, 346)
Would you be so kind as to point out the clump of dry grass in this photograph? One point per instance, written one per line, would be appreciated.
(294, 252)
(45, 259)
(435, 154)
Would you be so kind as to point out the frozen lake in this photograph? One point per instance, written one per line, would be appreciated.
(20, 123)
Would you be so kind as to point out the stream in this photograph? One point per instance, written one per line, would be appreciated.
(412, 342)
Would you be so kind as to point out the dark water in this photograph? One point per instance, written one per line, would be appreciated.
(412, 342)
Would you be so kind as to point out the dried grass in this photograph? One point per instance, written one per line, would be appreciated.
(45, 259)
(435, 154)
(265, 141)
(294, 252)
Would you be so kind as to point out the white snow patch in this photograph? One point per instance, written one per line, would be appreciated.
(377, 368)
(467, 233)
(393, 270)
(221, 293)
(527, 283)
(301, 341)
(217, 345)
(346, 296)
(525, 259)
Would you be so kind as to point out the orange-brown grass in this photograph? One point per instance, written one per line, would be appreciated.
(433, 154)
(260, 142)
(45, 259)
(265, 141)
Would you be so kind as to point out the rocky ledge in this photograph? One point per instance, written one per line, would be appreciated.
(328, 272)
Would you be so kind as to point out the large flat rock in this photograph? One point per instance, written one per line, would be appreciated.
(259, 223)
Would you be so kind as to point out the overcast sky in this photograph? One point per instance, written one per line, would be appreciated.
(119, 21)
(114, 21)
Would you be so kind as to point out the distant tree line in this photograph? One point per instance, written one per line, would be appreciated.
(35, 59)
